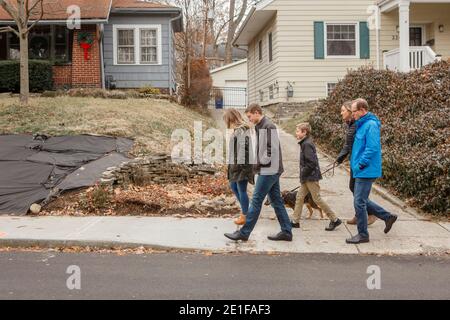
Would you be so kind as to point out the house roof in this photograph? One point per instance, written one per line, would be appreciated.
(237, 53)
(228, 66)
(57, 10)
(91, 9)
(136, 4)
(254, 23)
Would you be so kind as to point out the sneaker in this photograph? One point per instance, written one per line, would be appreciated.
(357, 239)
(389, 222)
(333, 225)
(295, 225)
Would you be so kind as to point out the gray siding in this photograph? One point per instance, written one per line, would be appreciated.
(136, 76)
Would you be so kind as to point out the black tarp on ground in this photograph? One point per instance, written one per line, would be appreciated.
(30, 168)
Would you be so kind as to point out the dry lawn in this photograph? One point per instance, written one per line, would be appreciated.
(150, 122)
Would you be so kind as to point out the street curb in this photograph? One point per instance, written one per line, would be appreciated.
(112, 245)
(52, 244)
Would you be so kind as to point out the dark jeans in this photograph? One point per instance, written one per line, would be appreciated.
(362, 203)
(267, 185)
(240, 191)
(352, 189)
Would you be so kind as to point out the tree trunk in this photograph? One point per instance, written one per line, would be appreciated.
(205, 29)
(230, 34)
(232, 27)
(24, 74)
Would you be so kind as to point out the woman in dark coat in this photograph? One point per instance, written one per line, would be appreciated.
(240, 168)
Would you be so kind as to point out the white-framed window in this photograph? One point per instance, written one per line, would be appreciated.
(125, 46)
(149, 45)
(137, 44)
(341, 40)
(330, 88)
(261, 95)
(270, 92)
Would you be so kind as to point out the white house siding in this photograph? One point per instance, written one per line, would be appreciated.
(262, 74)
(232, 76)
(293, 30)
(295, 45)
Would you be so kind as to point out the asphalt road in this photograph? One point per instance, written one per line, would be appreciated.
(43, 275)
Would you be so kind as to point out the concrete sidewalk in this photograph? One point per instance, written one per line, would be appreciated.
(407, 237)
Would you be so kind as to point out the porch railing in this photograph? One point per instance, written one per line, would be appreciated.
(418, 57)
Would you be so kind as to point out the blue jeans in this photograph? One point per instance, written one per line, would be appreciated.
(363, 204)
(240, 191)
(267, 185)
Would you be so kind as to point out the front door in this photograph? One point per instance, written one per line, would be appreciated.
(415, 36)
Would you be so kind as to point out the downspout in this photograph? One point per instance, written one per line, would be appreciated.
(377, 34)
(170, 51)
(102, 65)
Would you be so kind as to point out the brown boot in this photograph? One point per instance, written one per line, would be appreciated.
(352, 221)
(371, 219)
(241, 220)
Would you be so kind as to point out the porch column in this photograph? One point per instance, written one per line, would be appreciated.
(403, 11)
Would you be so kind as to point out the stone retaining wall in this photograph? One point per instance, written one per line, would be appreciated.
(153, 169)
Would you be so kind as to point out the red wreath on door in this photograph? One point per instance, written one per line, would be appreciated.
(86, 41)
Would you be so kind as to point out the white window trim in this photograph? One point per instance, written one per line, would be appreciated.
(326, 87)
(137, 43)
(357, 56)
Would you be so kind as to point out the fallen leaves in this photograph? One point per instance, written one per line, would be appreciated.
(204, 196)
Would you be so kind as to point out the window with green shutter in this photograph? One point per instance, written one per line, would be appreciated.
(319, 41)
(364, 40)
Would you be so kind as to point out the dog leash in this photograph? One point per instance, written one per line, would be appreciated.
(329, 168)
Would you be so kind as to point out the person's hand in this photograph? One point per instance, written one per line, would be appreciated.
(339, 160)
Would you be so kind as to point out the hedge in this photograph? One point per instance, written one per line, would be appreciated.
(415, 112)
(40, 75)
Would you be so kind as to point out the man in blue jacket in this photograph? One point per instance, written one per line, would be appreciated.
(366, 167)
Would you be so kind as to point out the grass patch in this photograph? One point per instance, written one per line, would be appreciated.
(149, 121)
(290, 125)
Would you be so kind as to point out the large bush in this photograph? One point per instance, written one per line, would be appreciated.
(40, 75)
(415, 112)
(198, 94)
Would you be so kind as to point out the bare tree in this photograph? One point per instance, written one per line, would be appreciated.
(233, 24)
(188, 42)
(26, 14)
(218, 25)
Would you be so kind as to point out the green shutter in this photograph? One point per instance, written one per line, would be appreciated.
(364, 40)
(319, 42)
